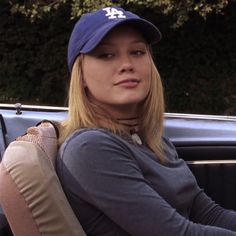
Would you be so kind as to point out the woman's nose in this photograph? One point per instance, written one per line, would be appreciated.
(126, 64)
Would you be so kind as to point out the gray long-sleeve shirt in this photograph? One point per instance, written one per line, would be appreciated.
(116, 187)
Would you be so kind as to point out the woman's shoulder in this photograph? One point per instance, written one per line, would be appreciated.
(92, 134)
(90, 143)
(88, 133)
(90, 137)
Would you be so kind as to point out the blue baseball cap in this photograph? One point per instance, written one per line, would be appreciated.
(92, 27)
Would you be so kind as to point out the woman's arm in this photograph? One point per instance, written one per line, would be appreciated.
(206, 211)
(114, 183)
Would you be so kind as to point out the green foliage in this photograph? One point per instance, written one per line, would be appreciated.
(33, 59)
(197, 65)
(196, 61)
(179, 10)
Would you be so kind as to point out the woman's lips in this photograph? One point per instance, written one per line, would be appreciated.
(128, 83)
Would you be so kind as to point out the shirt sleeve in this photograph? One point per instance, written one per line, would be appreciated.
(105, 169)
(206, 211)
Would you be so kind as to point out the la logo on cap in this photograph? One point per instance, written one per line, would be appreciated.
(113, 13)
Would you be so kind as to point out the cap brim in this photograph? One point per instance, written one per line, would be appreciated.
(150, 32)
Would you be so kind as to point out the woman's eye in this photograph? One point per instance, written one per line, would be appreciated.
(138, 52)
(106, 55)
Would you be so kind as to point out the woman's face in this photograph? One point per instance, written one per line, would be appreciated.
(117, 73)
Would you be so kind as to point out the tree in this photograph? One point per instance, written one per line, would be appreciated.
(181, 11)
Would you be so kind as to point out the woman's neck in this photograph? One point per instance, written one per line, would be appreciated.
(129, 124)
(119, 112)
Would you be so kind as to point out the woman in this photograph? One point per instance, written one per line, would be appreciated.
(120, 175)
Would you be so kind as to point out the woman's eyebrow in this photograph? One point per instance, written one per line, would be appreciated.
(106, 44)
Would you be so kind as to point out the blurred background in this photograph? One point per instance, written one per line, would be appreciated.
(196, 56)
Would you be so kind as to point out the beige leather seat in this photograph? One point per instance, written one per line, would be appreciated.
(30, 192)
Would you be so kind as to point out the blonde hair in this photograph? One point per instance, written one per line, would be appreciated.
(82, 113)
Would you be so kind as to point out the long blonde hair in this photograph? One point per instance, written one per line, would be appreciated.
(82, 113)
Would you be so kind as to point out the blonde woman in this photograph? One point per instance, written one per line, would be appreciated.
(121, 176)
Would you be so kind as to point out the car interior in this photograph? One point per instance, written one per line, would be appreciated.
(206, 143)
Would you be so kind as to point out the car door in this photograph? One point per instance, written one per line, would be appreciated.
(208, 144)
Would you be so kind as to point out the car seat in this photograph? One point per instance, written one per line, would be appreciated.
(30, 192)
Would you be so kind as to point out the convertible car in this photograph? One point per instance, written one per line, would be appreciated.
(206, 142)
